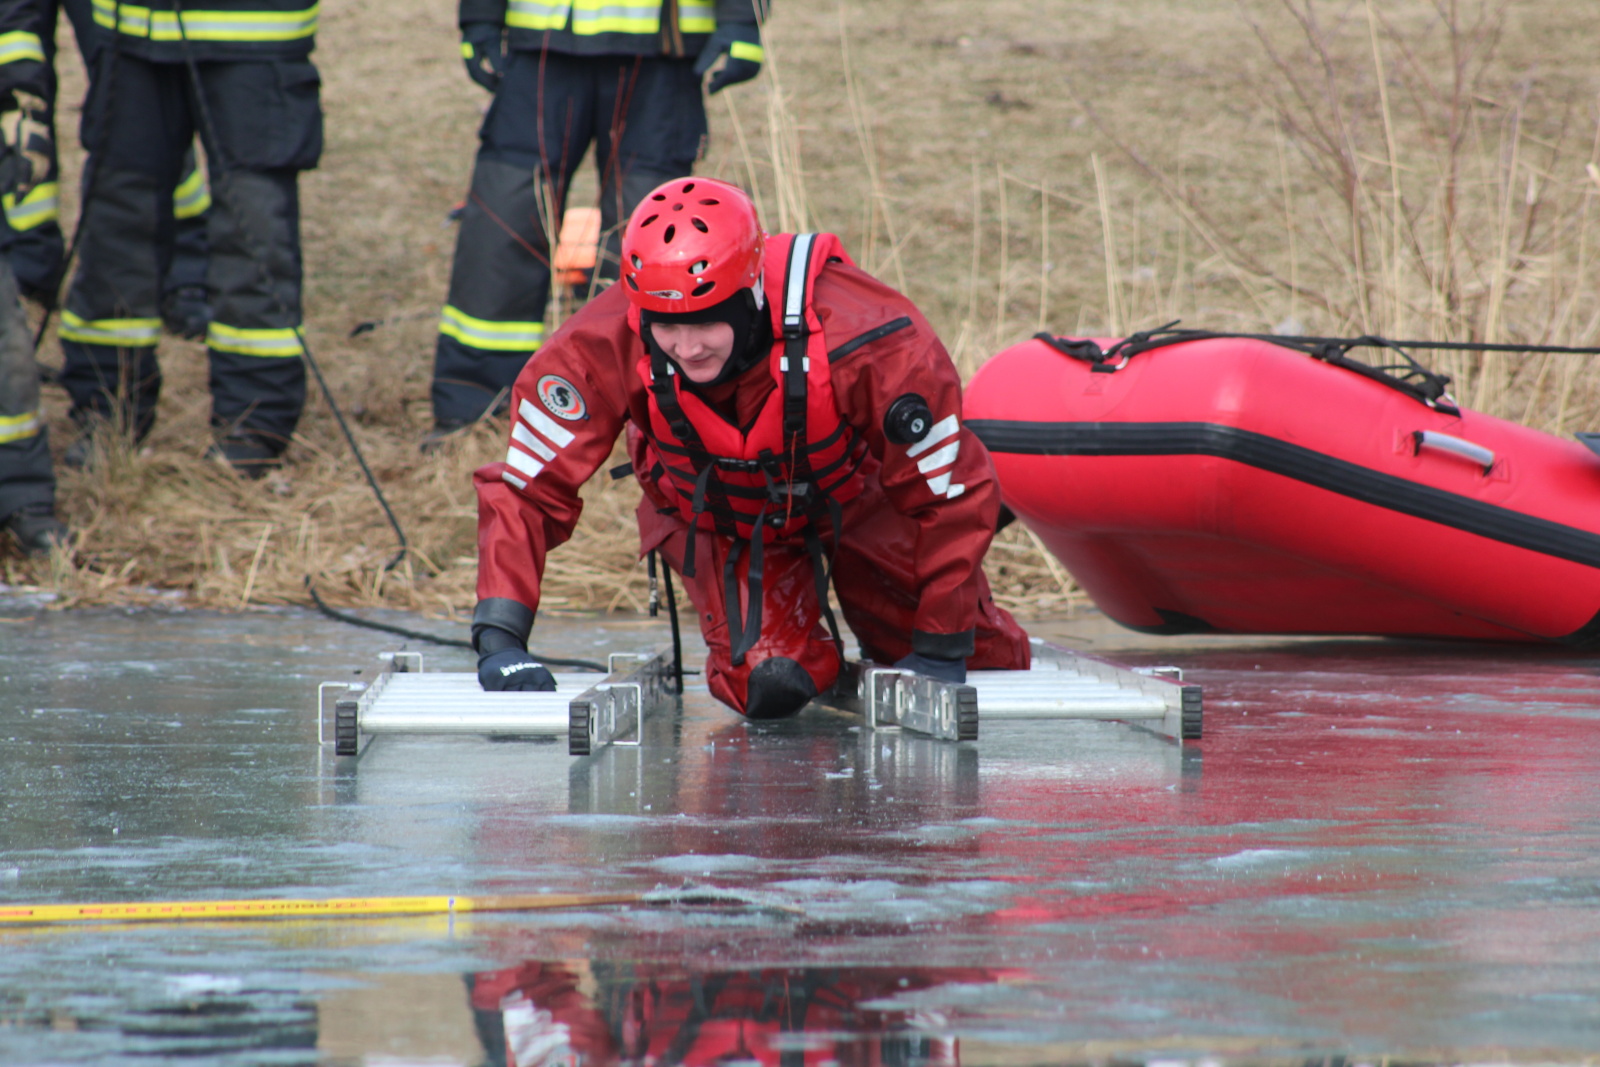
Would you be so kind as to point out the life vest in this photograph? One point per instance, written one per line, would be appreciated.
(797, 463)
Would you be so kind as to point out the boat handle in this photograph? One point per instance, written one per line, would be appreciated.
(1455, 446)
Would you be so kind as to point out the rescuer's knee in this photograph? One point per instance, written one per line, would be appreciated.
(778, 687)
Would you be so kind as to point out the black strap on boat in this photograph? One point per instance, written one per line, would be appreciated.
(1409, 377)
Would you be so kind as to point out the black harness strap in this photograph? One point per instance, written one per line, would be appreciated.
(665, 391)
(796, 362)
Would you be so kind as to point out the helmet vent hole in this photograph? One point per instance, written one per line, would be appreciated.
(671, 232)
(638, 264)
(703, 288)
(699, 224)
(631, 283)
(710, 203)
(699, 266)
(688, 187)
(677, 207)
(648, 221)
(659, 196)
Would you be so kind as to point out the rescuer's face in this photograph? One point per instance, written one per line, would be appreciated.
(700, 349)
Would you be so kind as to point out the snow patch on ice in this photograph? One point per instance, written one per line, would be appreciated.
(705, 865)
(1256, 857)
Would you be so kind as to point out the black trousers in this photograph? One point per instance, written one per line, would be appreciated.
(30, 227)
(141, 120)
(645, 117)
(25, 475)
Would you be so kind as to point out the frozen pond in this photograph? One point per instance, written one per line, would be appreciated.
(1378, 849)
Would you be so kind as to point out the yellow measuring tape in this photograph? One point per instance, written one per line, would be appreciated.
(281, 908)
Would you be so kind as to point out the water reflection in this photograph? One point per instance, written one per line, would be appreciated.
(541, 1014)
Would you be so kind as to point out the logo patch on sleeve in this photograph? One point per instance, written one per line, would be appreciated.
(561, 398)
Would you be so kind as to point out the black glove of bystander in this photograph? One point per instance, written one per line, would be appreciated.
(483, 49)
(511, 670)
(29, 141)
(946, 670)
(741, 42)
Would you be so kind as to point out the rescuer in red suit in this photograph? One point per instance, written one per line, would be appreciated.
(791, 419)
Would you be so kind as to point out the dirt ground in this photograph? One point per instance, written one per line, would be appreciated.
(1086, 166)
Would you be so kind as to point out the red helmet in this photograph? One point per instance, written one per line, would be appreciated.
(691, 243)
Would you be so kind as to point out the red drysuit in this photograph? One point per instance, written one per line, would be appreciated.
(907, 565)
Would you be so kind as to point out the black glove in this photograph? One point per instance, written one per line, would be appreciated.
(741, 42)
(511, 670)
(29, 143)
(483, 49)
(946, 670)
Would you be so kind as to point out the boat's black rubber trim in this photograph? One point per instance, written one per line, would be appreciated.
(1291, 461)
(877, 333)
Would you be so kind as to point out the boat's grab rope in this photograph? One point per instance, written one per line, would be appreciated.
(1409, 377)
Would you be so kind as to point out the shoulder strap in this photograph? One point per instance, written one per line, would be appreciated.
(796, 332)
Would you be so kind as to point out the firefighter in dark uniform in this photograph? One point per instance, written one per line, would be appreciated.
(27, 486)
(30, 224)
(239, 75)
(565, 73)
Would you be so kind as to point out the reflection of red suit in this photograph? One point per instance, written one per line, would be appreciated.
(543, 1017)
(734, 1017)
(908, 562)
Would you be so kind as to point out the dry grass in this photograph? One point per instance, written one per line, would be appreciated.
(1405, 166)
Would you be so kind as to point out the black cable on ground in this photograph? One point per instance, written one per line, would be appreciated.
(419, 635)
(355, 449)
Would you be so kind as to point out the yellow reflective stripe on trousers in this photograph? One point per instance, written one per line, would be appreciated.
(490, 336)
(123, 333)
(697, 16)
(591, 17)
(206, 25)
(20, 45)
(276, 343)
(41, 205)
(19, 427)
(537, 14)
(192, 196)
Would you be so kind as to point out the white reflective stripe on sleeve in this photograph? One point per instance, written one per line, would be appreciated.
(512, 479)
(940, 484)
(544, 424)
(955, 491)
(942, 458)
(520, 434)
(525, 463)
(942, 431)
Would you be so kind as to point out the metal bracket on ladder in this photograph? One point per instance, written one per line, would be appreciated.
(403, 699)
(1062, 685)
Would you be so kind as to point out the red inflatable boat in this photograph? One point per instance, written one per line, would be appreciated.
(1195, 482)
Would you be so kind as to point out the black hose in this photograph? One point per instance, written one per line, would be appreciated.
(452, 642)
